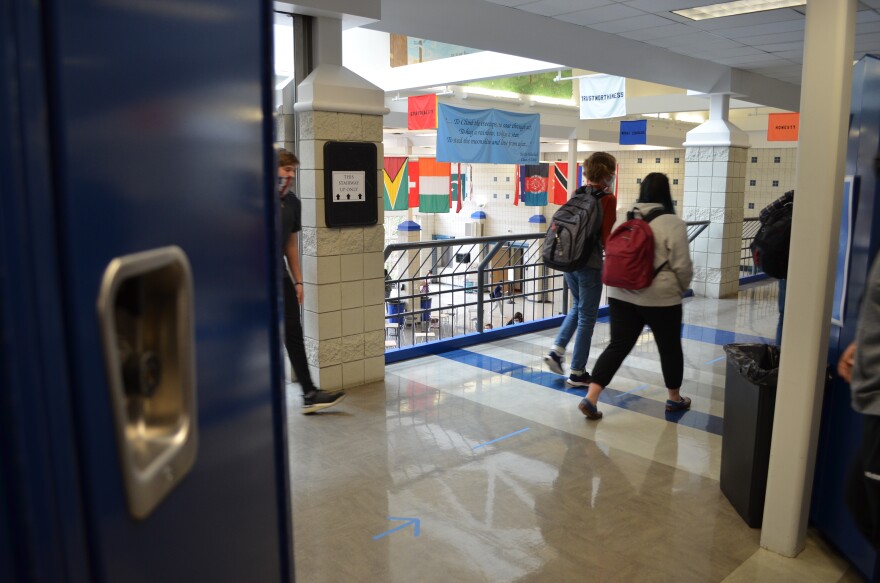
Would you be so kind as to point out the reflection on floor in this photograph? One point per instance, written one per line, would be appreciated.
(477, 466)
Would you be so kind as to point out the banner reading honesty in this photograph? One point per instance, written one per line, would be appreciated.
(488, 136)
(783, 127)
(603, 96)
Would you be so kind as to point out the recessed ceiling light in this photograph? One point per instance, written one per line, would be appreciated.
(735, 8)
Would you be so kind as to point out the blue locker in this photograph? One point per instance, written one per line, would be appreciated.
(127, 128)
(840, 434)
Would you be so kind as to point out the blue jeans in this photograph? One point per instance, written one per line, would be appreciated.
(586, 291)
(783, 283)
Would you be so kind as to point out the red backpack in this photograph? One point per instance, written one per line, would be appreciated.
(629, 253)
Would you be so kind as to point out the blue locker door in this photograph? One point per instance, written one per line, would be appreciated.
(159, 129)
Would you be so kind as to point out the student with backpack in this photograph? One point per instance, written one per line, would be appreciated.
(770, 247)
(658, 305)
(574, 245)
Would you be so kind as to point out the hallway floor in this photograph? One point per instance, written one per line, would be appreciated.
(486, 448)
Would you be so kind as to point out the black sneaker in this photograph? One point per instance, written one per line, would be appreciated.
(554, 362)
(578, 380)
(316, 400)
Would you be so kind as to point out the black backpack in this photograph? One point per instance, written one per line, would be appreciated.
(771, 245)
(574, 231)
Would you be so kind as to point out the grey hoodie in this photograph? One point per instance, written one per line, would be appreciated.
(866, 370)
(670, 244)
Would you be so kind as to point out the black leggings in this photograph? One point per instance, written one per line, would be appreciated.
(627, 322)
(293, 337)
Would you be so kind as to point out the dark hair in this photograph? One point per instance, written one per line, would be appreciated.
(599, 166)
(655, 188)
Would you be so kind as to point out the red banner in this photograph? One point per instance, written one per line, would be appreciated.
(783, 127)
(422, 112)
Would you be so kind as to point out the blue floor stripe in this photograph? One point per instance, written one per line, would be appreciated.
(625, 400)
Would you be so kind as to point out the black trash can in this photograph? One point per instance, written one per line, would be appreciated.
(749, 402)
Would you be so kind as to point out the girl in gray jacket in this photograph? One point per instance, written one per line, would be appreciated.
(658, 305)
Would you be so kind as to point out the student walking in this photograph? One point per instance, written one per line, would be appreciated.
(585, 284)
(314, 399)
(658, 305)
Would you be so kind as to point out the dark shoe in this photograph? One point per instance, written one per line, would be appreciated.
(589, 410)
(554, 362)
(682, 405)
(318, 399)
(578, 380)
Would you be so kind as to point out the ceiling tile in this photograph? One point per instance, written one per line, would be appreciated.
(796, 56)
(698, 39)
(783, 37)
(868, 27)
(510, 2)
(763, 58)
(781, 27)
(603, 14)
(660, 6)
(649, 34)
(637, 23)
(556, 7)
(780, 47)
(867, 16)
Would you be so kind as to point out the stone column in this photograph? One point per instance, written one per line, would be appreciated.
(714, 188)
(343, 274)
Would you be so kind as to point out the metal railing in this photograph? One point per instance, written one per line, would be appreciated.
(441, 289)
(747, 266)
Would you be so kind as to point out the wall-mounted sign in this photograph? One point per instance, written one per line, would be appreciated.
(634, 132)
(783, 127)
(350, 184)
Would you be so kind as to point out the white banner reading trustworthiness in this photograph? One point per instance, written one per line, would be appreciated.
(603, 96)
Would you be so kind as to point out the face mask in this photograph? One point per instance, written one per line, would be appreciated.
(285, 185)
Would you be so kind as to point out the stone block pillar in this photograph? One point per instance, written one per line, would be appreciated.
(714, 188)
(343, 271)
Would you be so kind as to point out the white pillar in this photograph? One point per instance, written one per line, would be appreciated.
(343, 318)
(825, 106)
(714, 188)
(572, 166)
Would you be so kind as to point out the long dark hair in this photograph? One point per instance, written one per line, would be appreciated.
(655, 188)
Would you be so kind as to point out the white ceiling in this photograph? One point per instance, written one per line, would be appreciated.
(768, 43)
(756, 57)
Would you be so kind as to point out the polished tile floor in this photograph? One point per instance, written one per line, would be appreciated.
(477, 466)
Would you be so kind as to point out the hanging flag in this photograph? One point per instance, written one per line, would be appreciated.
(459, 184)
(435, 183)
(534, 179)
(396, 180)
(603, 96)
(580, 175)
(783, 127)
(516, 187)
(413, 171)
(421, 112)
(559, 183)
(634, 132)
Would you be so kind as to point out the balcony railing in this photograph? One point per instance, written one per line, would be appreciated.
(747, 267)
(444, 289)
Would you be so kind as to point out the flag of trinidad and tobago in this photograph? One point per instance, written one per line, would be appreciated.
(534, 179)
(559, 183)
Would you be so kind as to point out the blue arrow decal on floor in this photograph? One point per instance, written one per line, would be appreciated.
(407, 521)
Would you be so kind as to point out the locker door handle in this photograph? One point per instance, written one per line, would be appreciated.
(145, 313)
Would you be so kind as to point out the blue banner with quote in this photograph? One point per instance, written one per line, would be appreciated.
(634, 132)
(487, 136)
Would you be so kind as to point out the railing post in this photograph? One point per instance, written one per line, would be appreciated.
(481, 282)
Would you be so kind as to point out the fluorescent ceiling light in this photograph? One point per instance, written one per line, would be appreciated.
(737, 7)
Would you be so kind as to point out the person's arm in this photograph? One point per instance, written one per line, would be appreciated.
(291, 251)
(680, 256)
